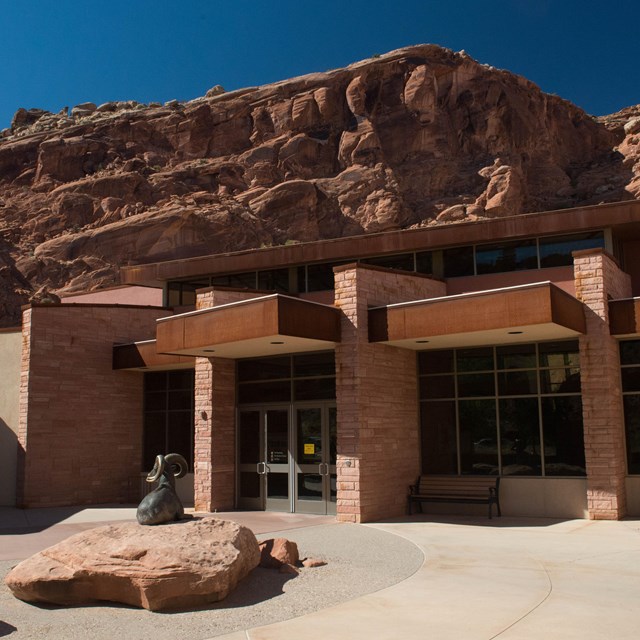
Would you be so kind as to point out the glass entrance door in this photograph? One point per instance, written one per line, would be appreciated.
(284, 464)
(263, 459)
(315, 459)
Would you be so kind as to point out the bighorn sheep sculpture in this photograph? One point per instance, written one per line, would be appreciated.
(162, 503)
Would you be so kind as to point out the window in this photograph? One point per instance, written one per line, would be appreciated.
(630, 373)
(506, 256)
(403, 261)
(305, 376)
(496, 257)
(168, 415)
(512, 409)
(556, 250)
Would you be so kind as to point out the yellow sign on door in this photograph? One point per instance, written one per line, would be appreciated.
(309, 449)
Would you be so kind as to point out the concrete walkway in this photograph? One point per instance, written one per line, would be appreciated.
(513, 579)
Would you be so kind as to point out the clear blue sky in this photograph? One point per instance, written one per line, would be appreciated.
(60, 53)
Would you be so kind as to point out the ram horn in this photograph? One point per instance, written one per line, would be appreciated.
(176, 460)
(158, 469)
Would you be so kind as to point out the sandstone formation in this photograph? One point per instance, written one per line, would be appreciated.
(174, 566)
(419, 136)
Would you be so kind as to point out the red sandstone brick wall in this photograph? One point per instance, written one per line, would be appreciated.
(215, 403)
(377, 397)
(598, 278)
(80, 421)
(214, 466)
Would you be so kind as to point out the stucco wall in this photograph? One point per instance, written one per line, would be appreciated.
(10, 348)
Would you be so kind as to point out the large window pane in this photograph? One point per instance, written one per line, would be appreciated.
(402, 261)
(474, 359)
(432, 387)
(424, 262)
(274, 280)
(560, 380)
(154, 441)
(168, 415)
(517, 383)
(506, 256)
(520, 437)
(563, 436)
(180, 435)
(458, 262)
(630, 378)
(320, 277)
(632, 428)
(516, 356)
(315, 389)
(314, 364)
(435, 361)
(472, 385)
(264, 368)
(559, 354)
(249, 437)
(439, 448)
(630, 352)
(180, 399)
(155, 381)
(556, 251)
(478, 437)
(252, 392)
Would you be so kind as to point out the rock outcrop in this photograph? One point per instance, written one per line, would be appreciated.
(175, 566)
(419, 136)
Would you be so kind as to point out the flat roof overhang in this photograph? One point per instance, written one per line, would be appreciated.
(528, 313)
(621, 216)
(268, 325)
(624, 317)
(141, 356)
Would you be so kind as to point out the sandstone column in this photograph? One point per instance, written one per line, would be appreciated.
(598, 278)
(377, 397)
(214, 471)
(214, 424)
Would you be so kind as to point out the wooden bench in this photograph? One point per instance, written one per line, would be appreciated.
(458, 489)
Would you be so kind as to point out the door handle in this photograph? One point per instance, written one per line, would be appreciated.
(262, 470)
(323, 469)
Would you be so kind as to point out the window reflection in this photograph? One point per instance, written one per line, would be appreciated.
(469, 426)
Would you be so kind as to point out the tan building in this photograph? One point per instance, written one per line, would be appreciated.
(325, 377)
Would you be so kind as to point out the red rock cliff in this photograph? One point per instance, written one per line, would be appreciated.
(418, 136)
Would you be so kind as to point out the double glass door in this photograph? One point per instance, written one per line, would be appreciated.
(287, 458)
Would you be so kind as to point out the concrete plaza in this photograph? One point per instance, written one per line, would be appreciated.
(508, 578)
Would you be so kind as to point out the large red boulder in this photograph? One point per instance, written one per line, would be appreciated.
(175, 566)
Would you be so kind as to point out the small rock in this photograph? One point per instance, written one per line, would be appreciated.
(313, 562)
(276, 552)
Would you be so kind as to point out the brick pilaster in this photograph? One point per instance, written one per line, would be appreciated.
(214, 459)
(214, 419)
(597, 279)
(377, 397)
